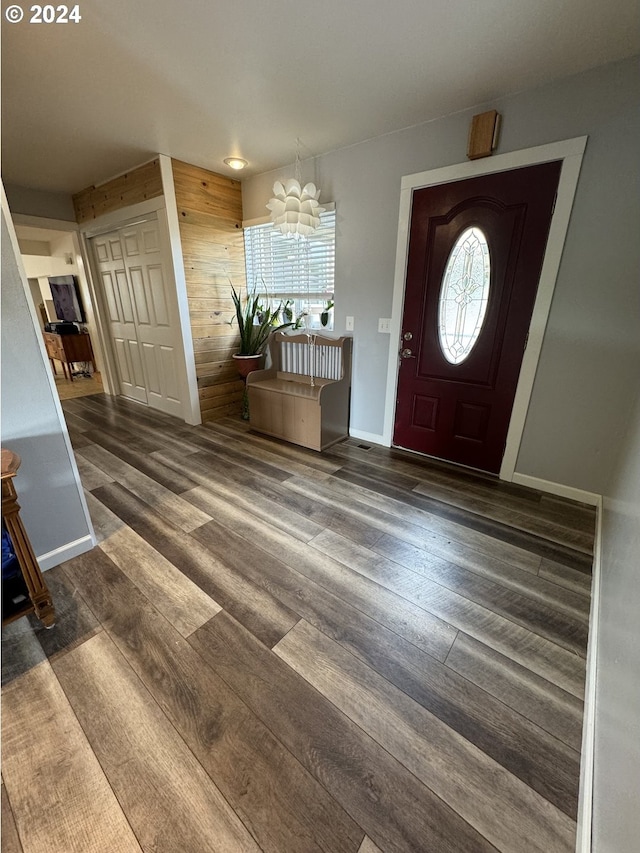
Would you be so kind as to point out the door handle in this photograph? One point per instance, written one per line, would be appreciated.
(406, 353)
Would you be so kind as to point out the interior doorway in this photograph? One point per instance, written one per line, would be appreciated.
(53, 253)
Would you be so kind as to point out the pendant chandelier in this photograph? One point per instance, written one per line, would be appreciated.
(294, 209)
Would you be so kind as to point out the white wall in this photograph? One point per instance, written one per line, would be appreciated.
(40, 267)
(57, 255)
(53, 508)
(61, 249)
(616, 826)
(591, 353)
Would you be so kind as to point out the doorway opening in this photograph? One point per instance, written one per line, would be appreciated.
(50, 255)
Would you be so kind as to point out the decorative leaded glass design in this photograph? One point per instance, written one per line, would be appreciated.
(464, 295)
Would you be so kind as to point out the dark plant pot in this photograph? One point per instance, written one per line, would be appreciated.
(245, 364)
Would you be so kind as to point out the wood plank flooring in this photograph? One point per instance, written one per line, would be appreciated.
(270, 649)
(82, 386)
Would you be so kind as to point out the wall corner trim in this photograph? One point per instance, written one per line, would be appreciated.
(559, 489)
(587, 754)
(370, 437)
(65, 552)
(191, 407)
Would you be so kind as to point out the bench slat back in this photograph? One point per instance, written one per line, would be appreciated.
(312, 355)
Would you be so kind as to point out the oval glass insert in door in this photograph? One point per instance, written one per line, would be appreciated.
(464, 295)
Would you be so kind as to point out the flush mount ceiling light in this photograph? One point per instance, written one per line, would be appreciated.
(294, 209)
(235, 162)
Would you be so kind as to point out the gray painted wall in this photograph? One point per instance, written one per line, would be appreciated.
(616, 827)
(48, 491)
(40, 203)
(580, 404)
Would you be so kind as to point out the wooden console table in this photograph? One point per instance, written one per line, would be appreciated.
(38, 598)
(68, 349)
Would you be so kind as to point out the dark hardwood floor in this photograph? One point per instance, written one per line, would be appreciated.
(276, 650)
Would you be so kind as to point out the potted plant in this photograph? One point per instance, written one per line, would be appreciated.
(255, 323)
(324, 317)
(287, 311)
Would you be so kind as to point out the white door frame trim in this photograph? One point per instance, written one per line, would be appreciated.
(172, 230)
(570, 151)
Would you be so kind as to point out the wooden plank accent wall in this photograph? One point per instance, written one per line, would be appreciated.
(138, 185)
(210, 217)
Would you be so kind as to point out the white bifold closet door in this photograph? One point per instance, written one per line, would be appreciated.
(144, 339)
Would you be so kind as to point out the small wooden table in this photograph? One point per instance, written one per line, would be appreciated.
(68, 349)
(39, 599)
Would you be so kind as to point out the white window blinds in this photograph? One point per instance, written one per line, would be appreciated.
(285, 268)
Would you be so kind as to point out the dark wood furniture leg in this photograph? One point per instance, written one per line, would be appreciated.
(40, 598)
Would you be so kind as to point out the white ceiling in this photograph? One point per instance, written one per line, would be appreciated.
(201, 80)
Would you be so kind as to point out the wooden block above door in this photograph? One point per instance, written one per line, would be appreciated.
(483, 134)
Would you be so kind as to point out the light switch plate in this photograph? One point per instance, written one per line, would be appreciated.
(384, 325)
(348, 324)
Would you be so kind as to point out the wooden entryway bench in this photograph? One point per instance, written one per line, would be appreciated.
(304, 396)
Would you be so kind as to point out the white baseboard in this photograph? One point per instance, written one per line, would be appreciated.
(65, 552)
(370, 437)
(585, 798)
(557, 489)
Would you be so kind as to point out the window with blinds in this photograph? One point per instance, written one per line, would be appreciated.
(302, 271)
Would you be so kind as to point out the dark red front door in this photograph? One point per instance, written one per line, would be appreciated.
(475, 253)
